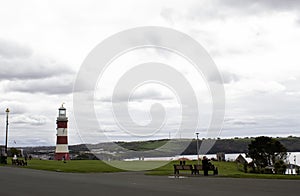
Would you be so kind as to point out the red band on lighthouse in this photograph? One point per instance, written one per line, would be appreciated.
(62, 140)
(62, 124)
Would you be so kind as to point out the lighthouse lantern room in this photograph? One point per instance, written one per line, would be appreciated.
(62, 151)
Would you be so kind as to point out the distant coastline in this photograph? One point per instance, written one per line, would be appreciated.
(228, 146)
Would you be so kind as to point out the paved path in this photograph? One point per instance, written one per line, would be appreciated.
(17, 181)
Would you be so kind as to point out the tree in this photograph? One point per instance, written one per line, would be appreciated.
(14, 151)
(280, 167)
(266, 151)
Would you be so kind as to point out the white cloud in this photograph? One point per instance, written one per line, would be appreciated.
(36, 120)
(53, 85)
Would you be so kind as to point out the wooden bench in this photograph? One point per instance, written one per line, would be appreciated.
(19, 162)
(211, 167)
(197, 168)
(177, 168)
(194, 169)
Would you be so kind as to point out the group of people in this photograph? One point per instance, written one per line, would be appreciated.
(16, 161)
(206, 165)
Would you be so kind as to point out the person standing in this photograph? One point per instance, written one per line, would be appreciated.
(205, 165)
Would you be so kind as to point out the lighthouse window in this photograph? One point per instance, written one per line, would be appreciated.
(62, 112)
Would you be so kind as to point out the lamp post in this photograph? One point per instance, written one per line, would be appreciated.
(295, 162)
(7, 111)
(197, 148)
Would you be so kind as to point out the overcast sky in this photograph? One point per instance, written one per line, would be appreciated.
(254, 43)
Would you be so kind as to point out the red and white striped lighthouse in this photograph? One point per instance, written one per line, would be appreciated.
(62, 150)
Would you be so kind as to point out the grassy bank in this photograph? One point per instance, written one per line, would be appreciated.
(226, 169)
(79, 166)
(89, 166)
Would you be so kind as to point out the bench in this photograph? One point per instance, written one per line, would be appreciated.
(177, 168)
(194, 169)
(19, 162)
(211, 167)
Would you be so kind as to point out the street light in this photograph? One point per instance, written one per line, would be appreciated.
(7, 111)
(197, 148)
(295, 164)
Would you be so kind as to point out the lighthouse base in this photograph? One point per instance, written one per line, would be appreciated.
(62, 156)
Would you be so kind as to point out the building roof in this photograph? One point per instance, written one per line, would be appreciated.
(241, 159)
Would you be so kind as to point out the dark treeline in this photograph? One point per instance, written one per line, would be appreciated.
(240, 145)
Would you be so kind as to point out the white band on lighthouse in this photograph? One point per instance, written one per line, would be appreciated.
(61, 148)
(62, 132)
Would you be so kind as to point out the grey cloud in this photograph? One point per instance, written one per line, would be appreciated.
(23, 71)
(19, 63)
(292, 85)
(150, 94)
(140, 96)
(242, 123)
(15, 107)
(221, 9)
(9, 49)
(227, 77)
(275, 113)
(261, 4)
(168, 14)
(30, 68)
(54, 85)
(35, 120)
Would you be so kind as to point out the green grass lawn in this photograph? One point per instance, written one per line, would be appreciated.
(80, 166)
(226, 169)
(89, 166)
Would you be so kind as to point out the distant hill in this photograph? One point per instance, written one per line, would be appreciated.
(234, 145)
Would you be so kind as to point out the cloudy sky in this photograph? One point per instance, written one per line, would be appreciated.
(254, 43)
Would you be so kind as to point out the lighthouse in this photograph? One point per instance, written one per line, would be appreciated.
(62, 150)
